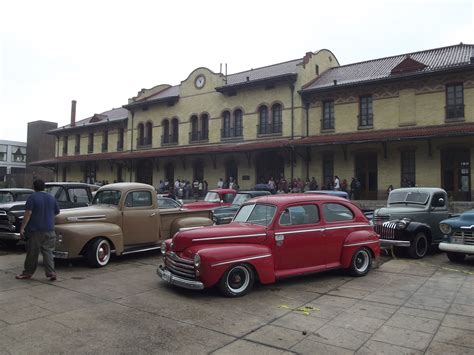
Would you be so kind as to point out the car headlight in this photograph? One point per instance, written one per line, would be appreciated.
(445, 228)
(163, 248)
(197, 260)
(403, 223)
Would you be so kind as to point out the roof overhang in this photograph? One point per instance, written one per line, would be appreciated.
(79, 127)
(168, 152)
(284, 78)
(389, 135)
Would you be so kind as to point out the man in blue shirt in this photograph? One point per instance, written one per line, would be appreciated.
(37, 229)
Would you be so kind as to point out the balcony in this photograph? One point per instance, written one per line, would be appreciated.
(119, 146)
(169, 139)
(143, 142)
(198, 136)
(230, 133)
(454, 112)
(90, 148)
(105, 147)
(77, 149)
(269, 129)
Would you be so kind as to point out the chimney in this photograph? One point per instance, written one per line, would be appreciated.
(73, 113)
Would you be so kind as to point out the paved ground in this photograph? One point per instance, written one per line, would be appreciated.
(403, 307)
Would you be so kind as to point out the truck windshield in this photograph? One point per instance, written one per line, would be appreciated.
(239, 199)
(412, 197)
(107, 197)
(6, 196)
(256, 213)
(212, 197)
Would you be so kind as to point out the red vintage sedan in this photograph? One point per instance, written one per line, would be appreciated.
(214, 198)
(272, 237)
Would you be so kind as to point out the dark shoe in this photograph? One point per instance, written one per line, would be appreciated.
(52, 277)
(23, 276)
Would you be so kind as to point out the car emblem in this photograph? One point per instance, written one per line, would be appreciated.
(171, 245)
(173, 254)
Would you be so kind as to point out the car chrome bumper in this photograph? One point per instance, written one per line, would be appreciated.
(61, 254)
(9, 236)
(178, 281)
(384, 243)
(457, 248)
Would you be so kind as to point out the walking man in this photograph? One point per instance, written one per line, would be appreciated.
(37, 229)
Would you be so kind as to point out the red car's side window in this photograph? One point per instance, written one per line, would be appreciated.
(336, 212)
(297, 215)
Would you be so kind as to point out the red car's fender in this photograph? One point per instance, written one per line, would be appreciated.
(217, 258)
(357, 240)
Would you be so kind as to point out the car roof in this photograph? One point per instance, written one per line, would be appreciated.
(17, 189)
(329, 192)
(125, 186)
(420, 189)
(69, 184)
(254, 193)
(298, 197)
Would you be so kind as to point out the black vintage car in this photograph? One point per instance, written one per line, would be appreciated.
(68, 195)
(224, 215)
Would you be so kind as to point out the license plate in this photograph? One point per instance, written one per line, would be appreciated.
(166, 276)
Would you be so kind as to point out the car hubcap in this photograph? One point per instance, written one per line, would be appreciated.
(103, 253)
(362, 261)
(421, 246)
(238, 279)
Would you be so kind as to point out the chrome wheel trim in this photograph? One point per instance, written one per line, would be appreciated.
(103, 252)
(233, 273)
(361, 260)
(421, 250)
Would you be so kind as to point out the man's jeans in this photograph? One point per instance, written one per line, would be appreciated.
(36, 242)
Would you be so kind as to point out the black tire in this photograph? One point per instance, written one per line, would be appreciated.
(455, 257)
(237, 281)
(98, 253)
(419, 246)
(361, 262)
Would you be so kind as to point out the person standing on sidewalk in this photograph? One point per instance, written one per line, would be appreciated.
(37, 229)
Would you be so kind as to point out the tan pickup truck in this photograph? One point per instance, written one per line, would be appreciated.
(124, 218)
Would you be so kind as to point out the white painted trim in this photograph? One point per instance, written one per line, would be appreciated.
(240, 260)
(361, 243)
(231, 237)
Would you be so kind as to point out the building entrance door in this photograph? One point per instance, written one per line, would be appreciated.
(366, 173)
(456, 173)
(269, 164)
(231, 171)
(145, 172)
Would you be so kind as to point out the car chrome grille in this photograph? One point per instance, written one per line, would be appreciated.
(179, 266)
(467, 237)
(383, 227)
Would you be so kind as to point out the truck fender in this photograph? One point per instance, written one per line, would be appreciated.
(414, 227)
(189, 222)
(356, 240)
(216, 259)
(76, 236)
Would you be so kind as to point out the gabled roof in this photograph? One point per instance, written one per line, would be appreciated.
(432, 60)
(169, 94)
(107, 117)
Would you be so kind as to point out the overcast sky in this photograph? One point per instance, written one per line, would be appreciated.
(101, 53)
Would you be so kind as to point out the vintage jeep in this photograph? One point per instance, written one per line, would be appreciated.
(411, 219)
(458, 236)
(272, 237)
(124, 218)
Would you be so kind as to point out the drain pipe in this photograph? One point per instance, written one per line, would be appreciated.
(307, 118)
(131, 146)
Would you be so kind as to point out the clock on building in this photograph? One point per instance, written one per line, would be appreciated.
(200, 81)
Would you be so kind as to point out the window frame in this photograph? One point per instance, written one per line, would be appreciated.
(328, 119)
(454, 111)
(366, 111)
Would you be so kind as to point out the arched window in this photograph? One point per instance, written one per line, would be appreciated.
(141, 134)
(194, 135)
(276, 118)
(238, 123)
(166, 131)
(263, 119)
(226, 132)
(148, 133)
(174, 130)
(204, 126)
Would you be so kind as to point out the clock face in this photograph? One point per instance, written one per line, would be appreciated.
(200, 81)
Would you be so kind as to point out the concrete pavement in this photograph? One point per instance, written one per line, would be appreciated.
(403, 307)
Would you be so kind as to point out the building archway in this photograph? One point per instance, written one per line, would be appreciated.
(231, 170)
(456, 173)
(269, 164)
(198, 170)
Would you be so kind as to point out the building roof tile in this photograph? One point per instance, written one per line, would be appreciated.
(110, 116)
